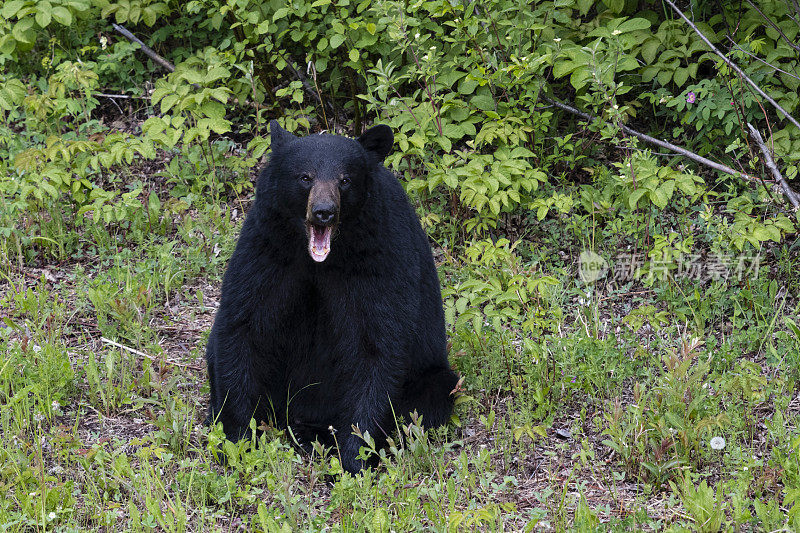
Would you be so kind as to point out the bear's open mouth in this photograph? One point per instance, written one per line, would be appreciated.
(319, 241)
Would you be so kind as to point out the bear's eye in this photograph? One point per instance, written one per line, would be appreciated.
(306, 178)
(344, 181)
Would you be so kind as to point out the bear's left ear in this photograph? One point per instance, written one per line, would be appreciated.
(278, 136)
(378, 140)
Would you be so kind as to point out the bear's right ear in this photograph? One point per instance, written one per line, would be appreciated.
(279, 136)
(378, 140)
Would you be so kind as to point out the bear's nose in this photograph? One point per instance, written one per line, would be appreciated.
(323, 215)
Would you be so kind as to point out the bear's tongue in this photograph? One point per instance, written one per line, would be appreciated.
(319, 242)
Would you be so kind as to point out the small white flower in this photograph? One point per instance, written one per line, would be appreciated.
(615, 32)
(717, 443)
(52, 515)
(557, 39)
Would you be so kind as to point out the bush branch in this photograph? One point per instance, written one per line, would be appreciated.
(146, 49)
(733, 65)
(770, 163)
(774, 26)
(652, 140)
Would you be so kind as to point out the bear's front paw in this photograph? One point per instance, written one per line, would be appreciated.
(351, 463)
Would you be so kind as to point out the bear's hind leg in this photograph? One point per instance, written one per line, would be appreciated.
(428, 392)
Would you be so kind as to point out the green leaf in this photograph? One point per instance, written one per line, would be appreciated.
(354, 55)
(263, 28)
(661, 196)
(585, 5)
(453, 131)
(220, 125)
(280, 13)
(483, 102)
(380, 521)
(648, 73)
(149, 16)
(10, 8)
(650, 49)
(562, 68)
(62, 15)
(542, 212)
(793, 327)
(633, 25)
(633, 199)
(7, 44)
(467, 86)
(761, 233)
(615, 6)
(23, 31)
(680, 77)
(168, 102)
(153, 203)
(43, 14)
(337, 40)
(579, 78)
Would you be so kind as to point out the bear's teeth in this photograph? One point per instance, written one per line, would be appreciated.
(319, 242)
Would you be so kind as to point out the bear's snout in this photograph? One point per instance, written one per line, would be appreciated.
(323, 204)
(323, 214)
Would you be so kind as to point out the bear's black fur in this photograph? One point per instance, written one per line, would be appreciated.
(331, 314)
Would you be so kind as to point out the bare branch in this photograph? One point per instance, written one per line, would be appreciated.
(146, 49)
(652, 140)
(770, 163)
(309, 88)
(796, 9)
(164, 63)
(770, 65)
(733, 65)
(775, 26)
(121, 96)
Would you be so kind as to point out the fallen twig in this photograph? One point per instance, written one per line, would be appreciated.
(148, 356)
(770, 163)
(733, 65)
(652, 140)
(146, 49)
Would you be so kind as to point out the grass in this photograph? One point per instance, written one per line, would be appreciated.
(583, 406)
(601, 418)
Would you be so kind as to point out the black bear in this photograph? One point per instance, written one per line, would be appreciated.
(331, 315)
